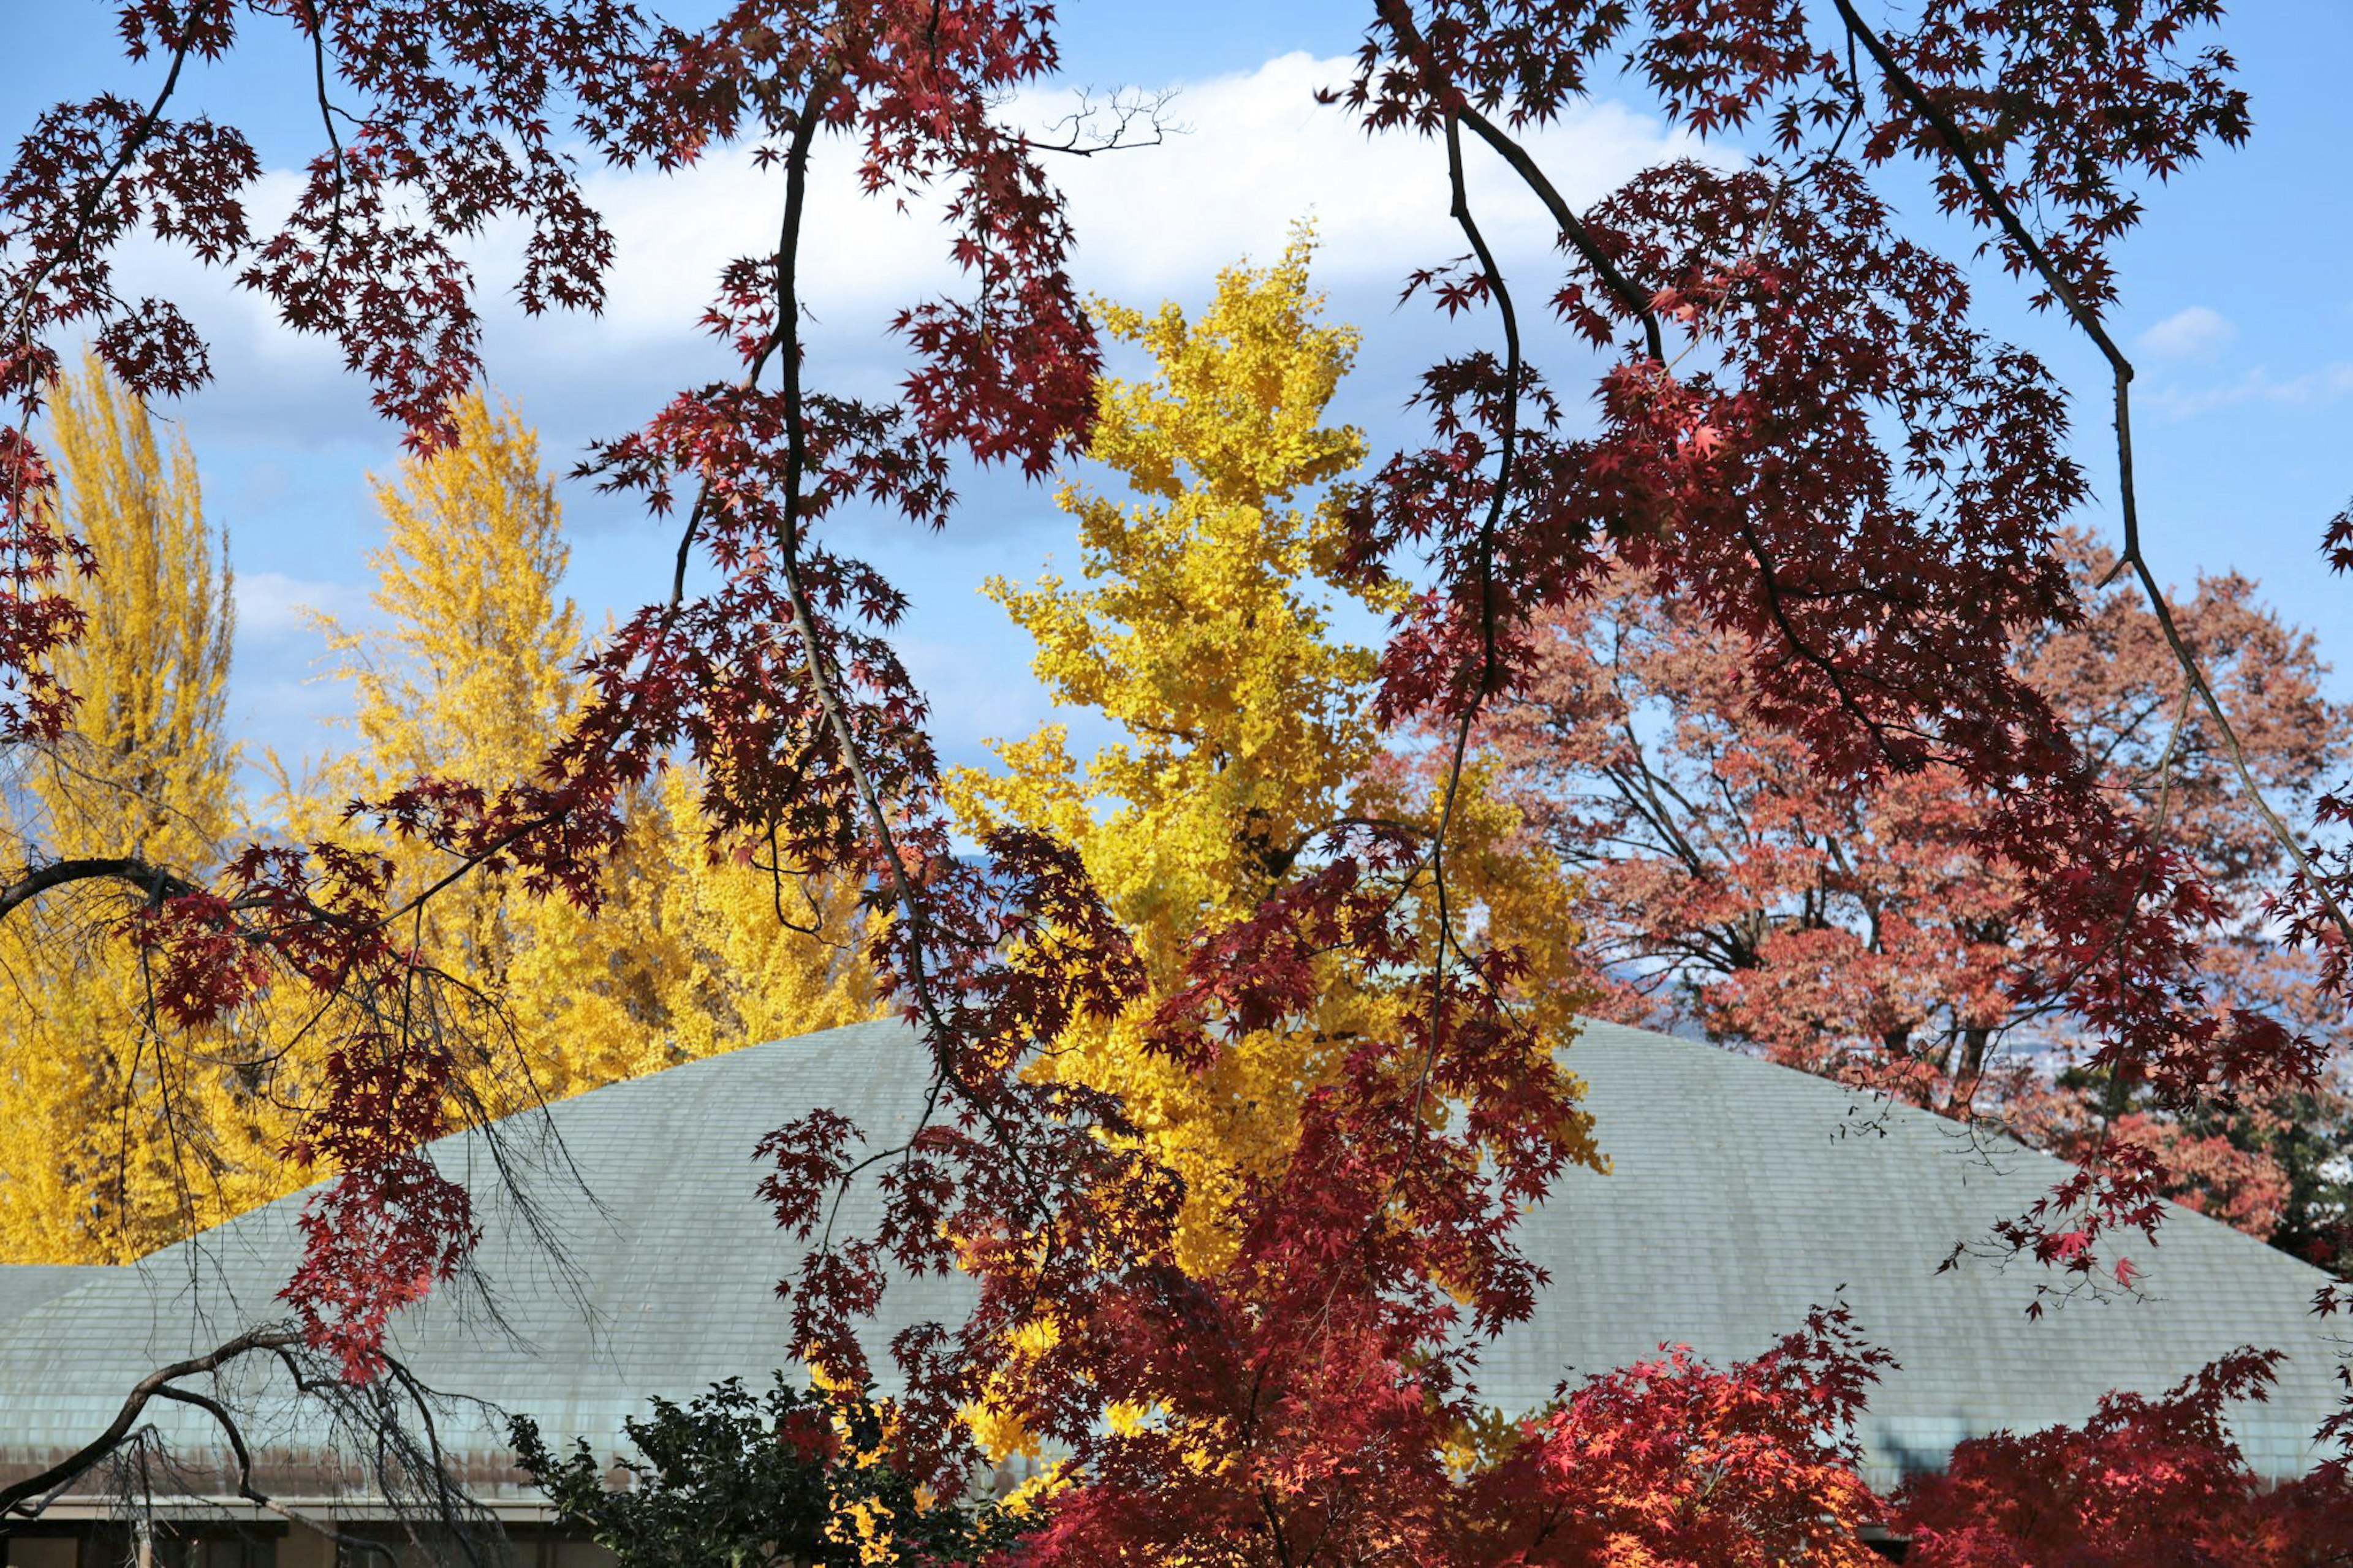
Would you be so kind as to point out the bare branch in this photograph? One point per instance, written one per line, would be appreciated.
(48, 1484)
(150, 878)
(1117, 125)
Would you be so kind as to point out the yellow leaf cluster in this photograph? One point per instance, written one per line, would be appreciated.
(471, 674)
(115, 1144)
(122, 1139)
(1205, 632)
(1042, 1487)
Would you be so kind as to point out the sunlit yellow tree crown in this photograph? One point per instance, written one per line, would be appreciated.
(470, 673)
(1205, 631)
(112, 1145)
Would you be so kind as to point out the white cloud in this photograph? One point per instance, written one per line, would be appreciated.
(2195, 334)
(1260, 154)
(674, 233)
(1257, 155)
(210, 295)
(2329, 382)
(273, 605)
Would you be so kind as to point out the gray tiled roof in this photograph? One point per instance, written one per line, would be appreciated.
(1742, 1193)
(26, 1286)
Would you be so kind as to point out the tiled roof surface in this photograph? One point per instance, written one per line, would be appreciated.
(26, 1286)
(1742, 1193)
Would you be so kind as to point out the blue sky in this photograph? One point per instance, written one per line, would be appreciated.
(2236, 300)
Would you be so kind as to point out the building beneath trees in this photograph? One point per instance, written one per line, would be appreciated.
(626, 1253)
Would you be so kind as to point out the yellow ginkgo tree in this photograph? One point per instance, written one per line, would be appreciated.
(467, 671)
(1204, 632)
(126, 1131)
(116, 1140)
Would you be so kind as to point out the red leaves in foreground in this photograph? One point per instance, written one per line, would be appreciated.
(200, 967)
(2155, 1481)
(391, 1226)
(380, 1236)
(1672, 1461)
(35, 620)
(1807, 445)
(1353, 1445)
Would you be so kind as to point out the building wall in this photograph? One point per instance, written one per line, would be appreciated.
(223, 1544)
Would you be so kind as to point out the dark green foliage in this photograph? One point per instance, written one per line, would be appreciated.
(732, 1480)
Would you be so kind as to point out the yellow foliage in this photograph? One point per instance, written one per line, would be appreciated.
(1041, 1486)
(471, 675)
(115, 1144)
(994, 1427)
(693, 951)
(1204, 631)
(867, 1528)
(118, 1144)
(147, 770)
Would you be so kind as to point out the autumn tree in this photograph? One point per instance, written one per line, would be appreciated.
(1293, 1390)
(1798, 427)
(1865, 935)
(1673, 1462)
(467, 665)
(1248, 766)
(2145, 1479)
(131, 1143)
(118, 1142)
(1248, 746)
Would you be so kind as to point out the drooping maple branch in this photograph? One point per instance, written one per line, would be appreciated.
(18, 328)
(315, 21)
(1445, 943)
(789, 527)
(1398, 17)
(233, 1432)
(823, 679)
(155, 882)
(2005, 215)
(1506, 450)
